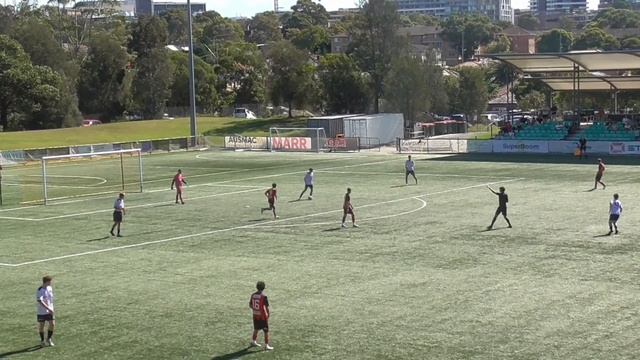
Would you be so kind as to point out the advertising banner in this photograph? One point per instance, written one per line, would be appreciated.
(569, 147)
(291, 143)
(624, 148)
(479, 146)
(520, 146)
(342, 144)
(245, 142)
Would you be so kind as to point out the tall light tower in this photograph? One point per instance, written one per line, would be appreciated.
(192, 86)
(275, 6)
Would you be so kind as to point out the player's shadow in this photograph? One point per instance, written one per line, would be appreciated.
(602, 235)
(99, 239)
(590, 190)
(332, 229)
(21, 351)
(399, 186)
(167, 204)
(234, 355)
(257, 220)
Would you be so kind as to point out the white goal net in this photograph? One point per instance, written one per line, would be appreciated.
(68, 176)
(297, 139)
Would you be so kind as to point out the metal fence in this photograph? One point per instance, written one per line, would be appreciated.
(11, 157)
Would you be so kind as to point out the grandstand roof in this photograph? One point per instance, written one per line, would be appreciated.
(591, 60)
(594, 83)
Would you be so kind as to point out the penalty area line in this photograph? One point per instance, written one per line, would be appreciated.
(249, 226)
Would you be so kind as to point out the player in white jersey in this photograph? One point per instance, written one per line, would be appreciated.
(615, 209)
(44, 301)
(118, 213)
(308, 184)
(410, 168)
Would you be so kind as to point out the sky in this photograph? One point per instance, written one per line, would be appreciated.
(247, 8)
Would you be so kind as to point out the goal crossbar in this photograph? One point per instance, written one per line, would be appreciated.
(119, 153)
(70, 156)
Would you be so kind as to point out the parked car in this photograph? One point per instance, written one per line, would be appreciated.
(244, 113)
(90, 122)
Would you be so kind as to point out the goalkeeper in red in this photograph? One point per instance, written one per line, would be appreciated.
(179, 182)
(272, 196)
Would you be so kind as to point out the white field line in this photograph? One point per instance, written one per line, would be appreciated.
(256, 225)
(424, 204)
(417, 174)
(88, 197)
(137, 206)
(404, 199)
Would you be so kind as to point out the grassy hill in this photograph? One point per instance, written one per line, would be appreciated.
(138, 130)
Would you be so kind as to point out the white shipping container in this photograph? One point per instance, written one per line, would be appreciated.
(386, 127)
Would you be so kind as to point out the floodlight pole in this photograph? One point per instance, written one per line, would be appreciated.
(192, 88)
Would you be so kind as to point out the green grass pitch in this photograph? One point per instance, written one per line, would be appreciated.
(420, 279)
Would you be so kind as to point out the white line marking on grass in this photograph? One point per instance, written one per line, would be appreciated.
(257, 225)
(18, 218)
(8, 265)
(88, 197)
(417, 174)
(148, 205)
(424, 204)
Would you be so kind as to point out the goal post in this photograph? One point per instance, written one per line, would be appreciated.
(297, 139)
(104, 172)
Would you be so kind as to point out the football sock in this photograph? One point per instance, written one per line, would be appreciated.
(266, 338)
(49, 334)
(41, 335)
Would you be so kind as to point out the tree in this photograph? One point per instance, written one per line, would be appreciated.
(596, 38)
(14, 69)
(617, 19)
(100, 87)
(53, 104)
(344, 87)
(306, 13)
(291, 77)
(502, 44)
(151, 84)
(205, 81)
(472, 92)
(528, 21)
(37, 39)
(242, 71)
(621, 4)
(213, 30)
(315, 39)
(7, 19)
(631, 43)
(410, 92)
(177, 27)
(375, 42)
(472, 29)
(556, 40)
(568, 23)
(531, 101)
(264, 28)
(148, 34)
(424, 20)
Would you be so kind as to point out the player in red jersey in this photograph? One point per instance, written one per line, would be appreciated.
(272, 196)
(347, 209)
(179, 182)
(259, 305)
(601, 169)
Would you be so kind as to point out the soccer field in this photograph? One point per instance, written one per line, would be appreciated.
(421, 278)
